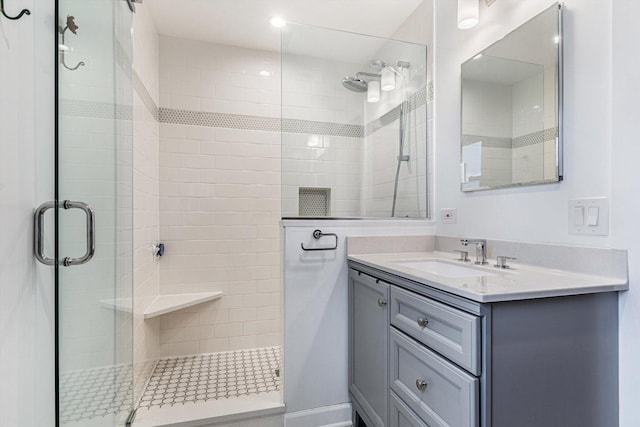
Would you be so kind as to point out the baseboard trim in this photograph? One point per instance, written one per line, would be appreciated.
(325, 416)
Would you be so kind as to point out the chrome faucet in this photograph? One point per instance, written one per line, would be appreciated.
(481, 249)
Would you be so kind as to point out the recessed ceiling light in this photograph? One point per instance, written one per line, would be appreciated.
(468, 14)
(265, 73)
(278, 21)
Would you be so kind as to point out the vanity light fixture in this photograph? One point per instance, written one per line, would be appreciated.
(373, 91)
(468, 13)
(387, 79)
(278, 21)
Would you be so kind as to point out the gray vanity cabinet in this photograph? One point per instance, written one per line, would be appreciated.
(430, 358)
(368, 344)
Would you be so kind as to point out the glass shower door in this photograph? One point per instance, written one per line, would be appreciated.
(94, 211)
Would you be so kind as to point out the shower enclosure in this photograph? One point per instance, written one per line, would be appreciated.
(93, 213)
(341, 131)
(354, 125)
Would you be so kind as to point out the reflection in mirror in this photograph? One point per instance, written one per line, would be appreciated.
(511, 108)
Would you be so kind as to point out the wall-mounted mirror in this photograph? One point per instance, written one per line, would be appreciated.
(511, 108)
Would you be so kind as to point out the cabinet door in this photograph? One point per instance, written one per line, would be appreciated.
(368, 346)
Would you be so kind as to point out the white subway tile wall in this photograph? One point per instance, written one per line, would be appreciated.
(359, 169)
(146, 196)
(220, 199)
(312, 90)
(381, 149)
(146, 232)
(221, 188)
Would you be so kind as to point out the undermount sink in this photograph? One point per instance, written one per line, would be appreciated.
(444, 269)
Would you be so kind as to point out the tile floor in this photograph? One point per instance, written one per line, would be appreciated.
(203, 377)
(95, 393)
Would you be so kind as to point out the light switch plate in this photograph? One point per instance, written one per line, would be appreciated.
(599, 205)
(449, 215)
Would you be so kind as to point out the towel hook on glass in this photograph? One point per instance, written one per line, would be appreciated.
(13, 18)
(62, 47)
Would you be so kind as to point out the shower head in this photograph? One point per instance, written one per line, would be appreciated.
(355, 84)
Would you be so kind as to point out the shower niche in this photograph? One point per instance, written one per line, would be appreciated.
(354, 124)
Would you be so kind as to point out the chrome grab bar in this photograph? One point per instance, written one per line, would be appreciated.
(38, 232)
(317, 234)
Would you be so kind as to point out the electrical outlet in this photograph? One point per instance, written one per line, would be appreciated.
(449, 215)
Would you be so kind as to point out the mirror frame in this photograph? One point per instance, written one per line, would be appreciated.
(559, 71)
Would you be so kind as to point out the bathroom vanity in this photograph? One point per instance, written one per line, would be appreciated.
(438, 342)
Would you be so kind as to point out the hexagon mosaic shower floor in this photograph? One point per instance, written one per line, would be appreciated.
(202, 377)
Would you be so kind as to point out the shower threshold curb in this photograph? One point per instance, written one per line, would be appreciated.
(206, 413)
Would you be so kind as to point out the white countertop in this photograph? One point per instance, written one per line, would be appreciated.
(516, 283)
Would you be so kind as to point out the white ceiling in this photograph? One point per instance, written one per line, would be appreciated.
(246, 22)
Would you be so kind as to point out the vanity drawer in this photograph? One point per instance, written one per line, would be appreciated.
(447, 330)
(440, 393)
(400, 415)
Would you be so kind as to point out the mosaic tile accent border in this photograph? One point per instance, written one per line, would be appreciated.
(223, 120)
(322, 128)
(95, 393)
(430, 91)
(521, 141)
(96, 110)
(213, 376)
(535, 138)
(487, 141)
(236, 121)
(270, 124)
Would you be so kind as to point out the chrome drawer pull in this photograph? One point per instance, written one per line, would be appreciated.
(381, 302)
(422, 322)
(421, 384)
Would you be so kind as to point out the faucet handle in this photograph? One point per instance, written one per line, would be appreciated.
(501, 261)
(464, 255)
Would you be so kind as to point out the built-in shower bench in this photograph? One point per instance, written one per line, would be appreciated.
(162, 304)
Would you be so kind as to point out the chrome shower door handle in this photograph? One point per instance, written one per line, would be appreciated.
(91, 233)
(38, 233)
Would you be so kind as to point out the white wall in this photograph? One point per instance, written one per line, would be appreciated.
(601, 150)
(625, 226)
(315, 308)
(536, 214)
(26, 180)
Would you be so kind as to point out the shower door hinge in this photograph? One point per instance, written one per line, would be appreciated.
(132, 5)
